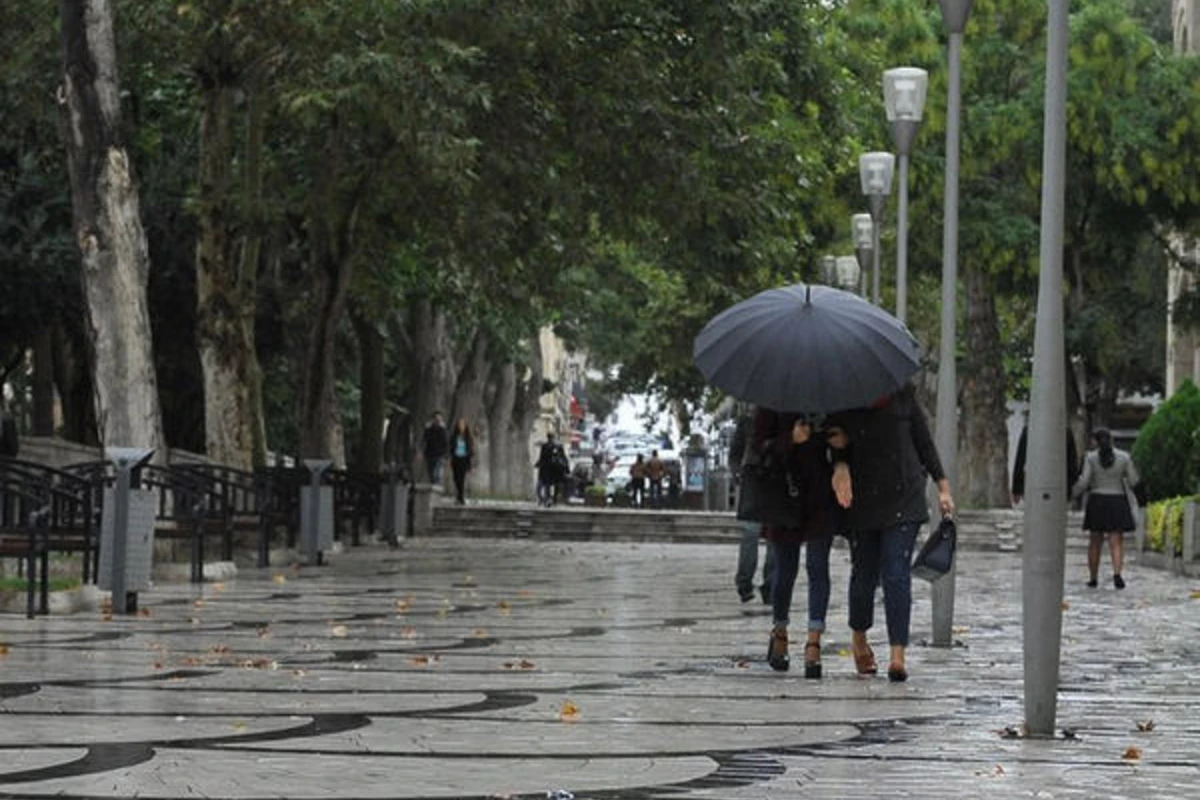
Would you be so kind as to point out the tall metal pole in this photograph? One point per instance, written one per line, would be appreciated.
(877, 201)
(946, 425)
(1045, 486)
(902, 241)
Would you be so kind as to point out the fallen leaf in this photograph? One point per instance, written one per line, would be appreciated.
(157, 665)
(192, 661)
(402, 606)
(569, 711)
(526, 593)
(338, 631)
(263, 632)
(743, 664)
(1132, 754)
(106, 617)
(1066, 606)
(217, 587)
(220, 648)
(961, 629)
(298, 673)
(279, 578)
(198, 604)
(239, 725)
(1195, 595)
(1009, 732)
(844, 652)
(522, 664)
(259, 663)
(143, 612)
(1145, 726)
(3, 649)
(423, 661)
(195, 620)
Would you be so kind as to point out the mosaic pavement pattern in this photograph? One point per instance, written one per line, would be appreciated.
(507, 669)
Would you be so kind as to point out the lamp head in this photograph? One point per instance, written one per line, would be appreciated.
(875, 170)
(862, 231)
(904, 91)
(848, 273)
(828, 270)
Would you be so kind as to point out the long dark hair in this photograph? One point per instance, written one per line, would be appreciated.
(1104, 444)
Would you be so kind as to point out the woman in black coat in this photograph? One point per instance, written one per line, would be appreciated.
(883, 456)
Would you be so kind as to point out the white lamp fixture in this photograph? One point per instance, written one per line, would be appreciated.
(828, 270)
(862, 230)
(875, 170)
(848, 273)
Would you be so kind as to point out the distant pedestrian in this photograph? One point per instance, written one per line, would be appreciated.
(434, 444)
(462, 451)
(751, 531)
(552, 469)
(880, 479)
(1018, 476)
(637, 476)
(1108, 476)
(656, 470)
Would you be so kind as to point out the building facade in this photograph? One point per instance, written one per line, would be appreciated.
(1183, 346)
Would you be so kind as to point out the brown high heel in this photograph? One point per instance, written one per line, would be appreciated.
(864, 663)
(777, 650)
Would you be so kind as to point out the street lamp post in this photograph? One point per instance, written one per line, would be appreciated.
(904, 100)
(848, 273)
(1044, 551)
(862, 230)
(875, 171)
(829, 270)
(954, 17)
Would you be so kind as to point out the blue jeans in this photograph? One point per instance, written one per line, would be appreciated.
(883, 556)
(816, 565)
(436, 467)
(748, 559)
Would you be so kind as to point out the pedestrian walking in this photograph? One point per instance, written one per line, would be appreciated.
(656, 470)
(1108, 476)
(462, 451)
(751, 530)
(882, 456)
(810, 521)
(637, 481)
(434, 444)
(552, 469)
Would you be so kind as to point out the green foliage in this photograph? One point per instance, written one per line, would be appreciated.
(1167, 453)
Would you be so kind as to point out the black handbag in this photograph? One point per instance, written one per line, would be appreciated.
(937, 554)
(766, 492)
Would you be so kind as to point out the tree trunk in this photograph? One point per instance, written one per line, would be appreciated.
(433, 369)
(43, 382)
(108, 230)
(983, 437)
(74, 382)
(469, 405)
(501, 455)
(526, 408)
(370, 350)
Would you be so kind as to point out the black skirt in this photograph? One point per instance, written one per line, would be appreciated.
(1106, 513)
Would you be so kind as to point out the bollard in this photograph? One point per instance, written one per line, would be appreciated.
(394, 514)
(126, 461)
(312, 511)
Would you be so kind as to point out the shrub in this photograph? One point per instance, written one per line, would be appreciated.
(1164, 524)
(596, 490)
(1167, 452)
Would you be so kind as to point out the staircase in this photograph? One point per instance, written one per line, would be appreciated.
(998, 529)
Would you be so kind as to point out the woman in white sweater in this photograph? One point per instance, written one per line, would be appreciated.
(1108, 475)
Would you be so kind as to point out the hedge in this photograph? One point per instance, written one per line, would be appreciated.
(1164, 523)
(1167, 451)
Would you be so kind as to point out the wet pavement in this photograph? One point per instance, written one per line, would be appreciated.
(488, 669)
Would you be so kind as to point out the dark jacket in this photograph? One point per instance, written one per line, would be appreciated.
(807, 477)
(435, 442)
(1018, 477)
(890, 455)
(552, 463)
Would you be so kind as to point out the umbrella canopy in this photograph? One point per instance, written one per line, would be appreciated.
(806, 348)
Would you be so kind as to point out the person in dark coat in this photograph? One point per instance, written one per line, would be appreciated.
(810, 520)
(462, 451)
(1018, 476)
(751, 532)
(434, 444)
(552, 469)
(883, 456)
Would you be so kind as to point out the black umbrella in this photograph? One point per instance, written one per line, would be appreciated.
(806, 348)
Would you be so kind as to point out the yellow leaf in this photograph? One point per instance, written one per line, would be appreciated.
(279, 578)
(1195, 595)
(239, 725)
(217, 587)
(1132, 754)
(423, 661)
(569, 711)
